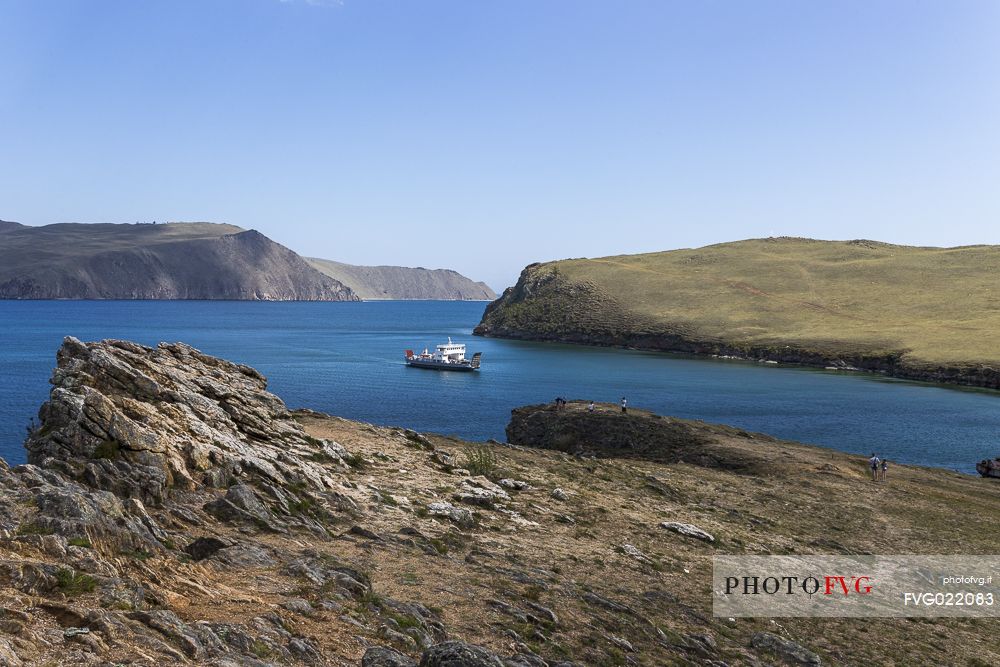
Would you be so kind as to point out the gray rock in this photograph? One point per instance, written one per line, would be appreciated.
(559, 494)
(139, 421)
(611, 605)
(72, 632)
(244, 555)
(688, 530)
(524, 660)
(173, 628)
(361, 531)
(304, 651)
(786, 648)
(458, 654)
(458, 515)
(633, 552)
(516, 484)
(481, 492)
(382, 656)
(299, 606)
(204, 547)
(242, 504)
(547, 614)
(662, 488)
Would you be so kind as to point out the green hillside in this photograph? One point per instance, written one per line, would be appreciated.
(874, 304)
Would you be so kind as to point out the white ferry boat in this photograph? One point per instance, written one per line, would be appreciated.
(446, 357)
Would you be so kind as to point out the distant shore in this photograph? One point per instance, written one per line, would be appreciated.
(890, 365)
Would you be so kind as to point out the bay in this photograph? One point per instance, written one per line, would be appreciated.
(346, 359)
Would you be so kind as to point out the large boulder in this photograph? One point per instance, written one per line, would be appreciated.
(141, 421)
(459, 654)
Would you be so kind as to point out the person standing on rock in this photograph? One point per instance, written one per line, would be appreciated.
(624, 405)
(590, 408)
(873, 463)
(885, 468)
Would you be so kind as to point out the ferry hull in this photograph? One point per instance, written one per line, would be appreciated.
(438, 366)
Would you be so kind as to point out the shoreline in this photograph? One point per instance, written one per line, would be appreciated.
(888, 365)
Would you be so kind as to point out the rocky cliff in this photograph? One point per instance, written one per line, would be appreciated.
(400, 282)
(169, 261)
(175, 512)
(917, 313)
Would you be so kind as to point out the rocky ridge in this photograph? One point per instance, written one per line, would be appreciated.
(173, 511)
(405, 283)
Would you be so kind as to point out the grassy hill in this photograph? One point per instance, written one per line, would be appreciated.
(400, 282)
(932, 313)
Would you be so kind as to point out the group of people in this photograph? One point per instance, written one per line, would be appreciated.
(878, 467)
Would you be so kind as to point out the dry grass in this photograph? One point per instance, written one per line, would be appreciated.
(812, 500)
(942, 305)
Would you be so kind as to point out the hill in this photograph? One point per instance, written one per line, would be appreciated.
(399, 282)
(920, 313)
(176, 512)
(168, 261)
(6, 226)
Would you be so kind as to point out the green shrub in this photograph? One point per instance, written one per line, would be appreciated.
(301, 506)
(79, 542)
(356, 461)
(480, 461)
(72, 582)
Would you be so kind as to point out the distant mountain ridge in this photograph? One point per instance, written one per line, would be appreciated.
(400, 282)
(168, 261)
(196, 260)
(6, 225)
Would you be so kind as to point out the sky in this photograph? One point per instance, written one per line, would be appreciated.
(484, 135)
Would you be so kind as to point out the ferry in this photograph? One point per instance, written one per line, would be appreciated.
(446, 357)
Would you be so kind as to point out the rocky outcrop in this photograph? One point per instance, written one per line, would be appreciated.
(401, 282)
(989, 468)
(170, 261)
(638, 434)
(143, 422)
(138, 451)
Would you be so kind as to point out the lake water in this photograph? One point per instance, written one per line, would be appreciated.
(346, 359)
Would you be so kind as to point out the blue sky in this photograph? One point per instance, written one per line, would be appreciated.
(482, 136)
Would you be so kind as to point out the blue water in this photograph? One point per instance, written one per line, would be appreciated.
(346, 359)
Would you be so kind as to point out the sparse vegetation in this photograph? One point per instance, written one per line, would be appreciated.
(355, 461)
(72, 582)
(34, 528)
(480, 460)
